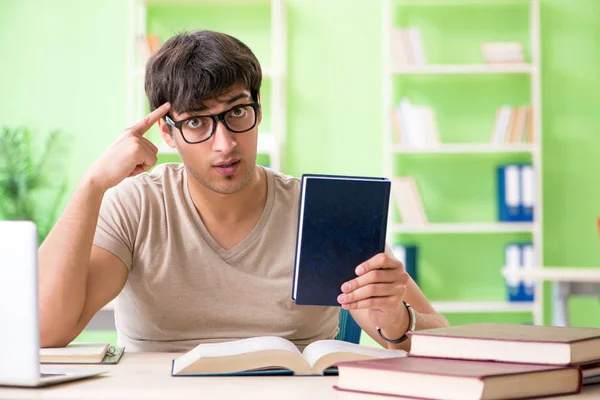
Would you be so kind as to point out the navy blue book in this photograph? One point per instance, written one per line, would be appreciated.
(342, 222)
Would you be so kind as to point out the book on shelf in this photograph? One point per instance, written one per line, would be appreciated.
(407, 47)
(516, 192)
(529, 344)
(148, 45)
(512, 125)
(415, 126)
(436, 378)
(272, 355)
(519, 256)
(81, 353)
(408, 256)
(502, 53)
(342, 222)
(408, 200)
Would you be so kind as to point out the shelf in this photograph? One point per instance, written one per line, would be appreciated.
(204, 1)
(492, 227)
(266, 145)
(464, 148)
(164, 149)
(481, 306)
(450, 3)
(454, 69)
(559, 274)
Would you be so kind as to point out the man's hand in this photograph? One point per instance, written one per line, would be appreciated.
(130, 155)
(379, 288)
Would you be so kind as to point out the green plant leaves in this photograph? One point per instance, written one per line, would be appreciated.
(32, 177)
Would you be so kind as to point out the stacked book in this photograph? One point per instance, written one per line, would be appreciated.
(513, 125)
(408, 200)
(502, 53)
(481, 361)
(407, 47)
(415, 126)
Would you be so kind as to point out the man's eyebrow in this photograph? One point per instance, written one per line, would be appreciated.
(234, 98)
(231, 100)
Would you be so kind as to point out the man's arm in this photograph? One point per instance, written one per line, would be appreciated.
(375, 299)
(425, 315)
(76, 279)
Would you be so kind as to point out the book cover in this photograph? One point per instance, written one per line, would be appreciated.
(82, 353)
(433, 378)
(342, 222)
(534, 344)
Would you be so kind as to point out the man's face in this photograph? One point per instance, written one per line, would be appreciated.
(226, 161)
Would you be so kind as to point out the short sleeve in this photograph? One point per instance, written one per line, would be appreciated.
(118, 221)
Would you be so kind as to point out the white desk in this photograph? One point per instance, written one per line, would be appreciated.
(567, 281)
(147, 376)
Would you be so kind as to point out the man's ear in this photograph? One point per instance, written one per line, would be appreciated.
(165, 132)
(259, 111)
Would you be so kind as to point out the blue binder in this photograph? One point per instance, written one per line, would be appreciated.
(509, 193)
(407, 254)
(518, 290)
(527, 185)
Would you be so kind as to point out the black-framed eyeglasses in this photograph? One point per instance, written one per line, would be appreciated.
(200, 128)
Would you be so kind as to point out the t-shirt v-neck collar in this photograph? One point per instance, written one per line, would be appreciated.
(226, 254)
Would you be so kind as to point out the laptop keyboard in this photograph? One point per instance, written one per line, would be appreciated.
(44, 375)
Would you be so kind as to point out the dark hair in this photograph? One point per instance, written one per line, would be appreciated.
(193, 67)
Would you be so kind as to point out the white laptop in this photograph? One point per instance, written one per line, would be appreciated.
(19, 319)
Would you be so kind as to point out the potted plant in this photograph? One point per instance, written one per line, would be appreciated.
(32, 182)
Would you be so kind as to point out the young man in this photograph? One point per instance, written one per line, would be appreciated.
(201, 251)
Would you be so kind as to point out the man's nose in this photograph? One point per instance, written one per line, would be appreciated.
(224, 140)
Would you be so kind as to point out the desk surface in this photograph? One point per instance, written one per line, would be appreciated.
(147, 376)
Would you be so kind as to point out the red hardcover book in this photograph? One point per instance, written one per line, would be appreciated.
(438, 378)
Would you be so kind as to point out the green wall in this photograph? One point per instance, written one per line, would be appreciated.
(63, 66)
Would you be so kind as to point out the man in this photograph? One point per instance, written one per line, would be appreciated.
(201, 251)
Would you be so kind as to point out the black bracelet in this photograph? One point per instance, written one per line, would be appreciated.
(411, 326)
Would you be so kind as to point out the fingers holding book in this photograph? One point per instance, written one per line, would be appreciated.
(380, 285)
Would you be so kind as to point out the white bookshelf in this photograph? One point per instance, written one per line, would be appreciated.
(270, 143)
(465, 148)
(466, 227)
(481, 306)
(464, 69)
(556, 274)
(458, 3)
(393, 152)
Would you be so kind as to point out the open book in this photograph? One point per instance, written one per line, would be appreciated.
(273, 355)
(81, 353)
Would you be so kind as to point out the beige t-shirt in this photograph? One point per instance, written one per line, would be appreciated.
(183, 288)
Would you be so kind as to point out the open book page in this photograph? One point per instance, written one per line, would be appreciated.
(323, 354)
(241, 355)
(75, 352)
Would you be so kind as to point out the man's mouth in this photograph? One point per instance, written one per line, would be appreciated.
(227, 168)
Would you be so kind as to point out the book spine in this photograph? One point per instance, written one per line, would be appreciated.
(407, 255)
(509, 194)
(527, 182)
